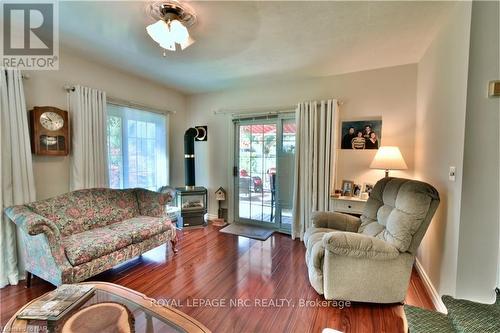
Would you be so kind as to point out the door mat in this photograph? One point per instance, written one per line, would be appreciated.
(249, 231)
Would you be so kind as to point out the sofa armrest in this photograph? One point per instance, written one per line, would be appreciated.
(42, 239)
(358, 246)
(152, 203)
(334, 220)
(32, 223)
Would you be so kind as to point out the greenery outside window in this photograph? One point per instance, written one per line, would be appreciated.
(137, 148)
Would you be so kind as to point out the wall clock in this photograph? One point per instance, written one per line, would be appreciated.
(49, 127)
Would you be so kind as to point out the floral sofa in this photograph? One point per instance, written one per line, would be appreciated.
(74, 236)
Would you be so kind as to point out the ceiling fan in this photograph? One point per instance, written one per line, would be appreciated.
(173, 19)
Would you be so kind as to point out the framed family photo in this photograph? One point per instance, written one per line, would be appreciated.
(347, 188)
(367, 188)
(361, 134)
(357, 190)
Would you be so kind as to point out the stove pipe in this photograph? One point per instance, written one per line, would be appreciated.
(189, 169)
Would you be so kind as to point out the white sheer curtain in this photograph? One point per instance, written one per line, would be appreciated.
(17, 185)
(147, 132)
(315, 160)
(87, 111)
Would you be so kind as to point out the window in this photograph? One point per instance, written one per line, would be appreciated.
(137, 148)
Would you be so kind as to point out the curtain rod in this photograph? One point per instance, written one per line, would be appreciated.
(256, 111)
(121, 102)
(261, 111)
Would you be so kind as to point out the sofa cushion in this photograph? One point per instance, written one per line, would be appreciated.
(82, 210)
(396, 210)
(142, 227)
(92, 244)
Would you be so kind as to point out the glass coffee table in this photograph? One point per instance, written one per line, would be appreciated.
(148, 316)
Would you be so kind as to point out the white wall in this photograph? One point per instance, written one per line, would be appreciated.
(387, 92)
(479, 223)
(440, 128)
(45, 88)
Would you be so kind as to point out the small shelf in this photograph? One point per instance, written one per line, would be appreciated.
(349, 205)
(348, 198)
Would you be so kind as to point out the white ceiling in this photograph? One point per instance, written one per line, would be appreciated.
(240, 43)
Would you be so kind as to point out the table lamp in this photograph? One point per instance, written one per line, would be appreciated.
(388, 158)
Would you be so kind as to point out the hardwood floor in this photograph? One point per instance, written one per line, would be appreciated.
(212, 266)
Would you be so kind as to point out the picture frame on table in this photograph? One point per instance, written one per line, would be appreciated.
(367, 188)
(357, 190)
(347, 188)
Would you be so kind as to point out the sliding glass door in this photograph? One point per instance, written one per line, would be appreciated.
(265, 158)
(285, 176)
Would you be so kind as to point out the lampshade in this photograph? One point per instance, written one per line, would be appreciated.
(388, 158)
(167, 34)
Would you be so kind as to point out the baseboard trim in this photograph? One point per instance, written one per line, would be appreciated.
(212, 216)
(431, 290)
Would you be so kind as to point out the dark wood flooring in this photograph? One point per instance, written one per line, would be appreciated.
(211, 266)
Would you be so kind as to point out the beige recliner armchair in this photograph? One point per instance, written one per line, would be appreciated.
(369, 259)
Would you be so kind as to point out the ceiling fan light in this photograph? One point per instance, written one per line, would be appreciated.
(187, 43)
(167, 34)
(168, 46)
(172, 22)
(178, 32)
(158, 31)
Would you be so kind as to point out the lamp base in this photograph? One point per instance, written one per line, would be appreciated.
(387, 173)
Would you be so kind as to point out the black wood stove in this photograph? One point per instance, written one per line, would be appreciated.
(192, 203)
(191, 199)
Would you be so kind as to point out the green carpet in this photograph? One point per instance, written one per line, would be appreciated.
(468, 316)
(426, 321)
(463, 316)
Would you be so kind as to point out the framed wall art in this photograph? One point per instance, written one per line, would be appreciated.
(361, 134)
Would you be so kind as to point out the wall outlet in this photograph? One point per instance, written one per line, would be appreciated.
(451, 174)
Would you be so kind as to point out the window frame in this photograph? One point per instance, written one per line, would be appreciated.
(131, 113)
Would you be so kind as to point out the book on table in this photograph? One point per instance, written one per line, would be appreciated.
(57, 303)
